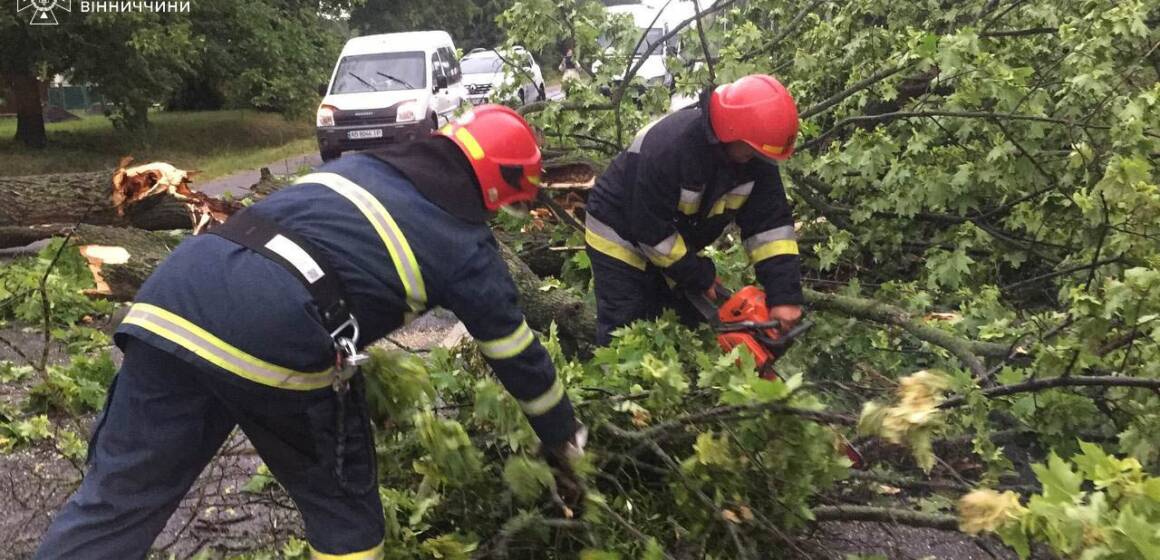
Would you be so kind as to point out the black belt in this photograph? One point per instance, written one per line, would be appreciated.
(305, 261)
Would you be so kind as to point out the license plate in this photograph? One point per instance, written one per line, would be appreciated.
(478, 100)
(360, 134)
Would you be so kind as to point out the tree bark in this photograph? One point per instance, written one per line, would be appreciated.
(534, 248)
(70, 198)
(575, 321)
(25, 88)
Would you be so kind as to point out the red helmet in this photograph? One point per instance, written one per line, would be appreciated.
(757, 110)
(503, 152)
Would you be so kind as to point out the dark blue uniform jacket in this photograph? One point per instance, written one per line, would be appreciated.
(218, 304)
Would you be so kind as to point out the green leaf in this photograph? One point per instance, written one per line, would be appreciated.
(527, 478)
(1061, 485)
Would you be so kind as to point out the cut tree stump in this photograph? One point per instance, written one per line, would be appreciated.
(122, 258)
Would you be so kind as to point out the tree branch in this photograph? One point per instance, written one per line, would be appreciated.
(1021, 32)
(1055, 382)
(967, 351)
(886, 515)
(955, 114)
(704, 43)
(732, 412)
(1063, 272)
(833, 100)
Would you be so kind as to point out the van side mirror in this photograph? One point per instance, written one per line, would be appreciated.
(322, 90)
(440, 82)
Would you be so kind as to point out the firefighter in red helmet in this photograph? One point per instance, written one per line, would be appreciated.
(308, 277)
(683, 179)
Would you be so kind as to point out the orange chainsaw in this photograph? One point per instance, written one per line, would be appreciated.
(742, 319)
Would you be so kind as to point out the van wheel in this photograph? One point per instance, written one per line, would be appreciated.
(329, 155)
(543, 94)
(523, 97)
(434, 121)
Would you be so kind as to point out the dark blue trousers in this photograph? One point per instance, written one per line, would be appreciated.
(625, 294)
(164, 421)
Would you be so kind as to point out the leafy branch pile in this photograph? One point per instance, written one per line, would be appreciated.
(976, 191)
(978, 206)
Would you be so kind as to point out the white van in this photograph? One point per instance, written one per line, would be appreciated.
(653, 28)
(388, 88)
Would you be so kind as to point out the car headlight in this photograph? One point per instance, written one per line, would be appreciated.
(655, 81)
(325, 116)
(409, 112)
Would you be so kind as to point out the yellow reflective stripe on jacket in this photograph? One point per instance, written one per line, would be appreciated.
(667, 252)
(205, 345)
(603, 238)
(406, 265)
(543, 403)
(732, 200)
(375, 553)
(773, 249)
(510, 345)
(771, 243)
(690, 202)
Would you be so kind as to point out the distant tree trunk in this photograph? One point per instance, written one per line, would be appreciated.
(25, 89)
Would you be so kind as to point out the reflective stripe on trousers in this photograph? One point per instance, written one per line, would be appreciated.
(207, 346)
(375, 553)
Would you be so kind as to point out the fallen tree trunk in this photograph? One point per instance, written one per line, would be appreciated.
(576, 322)
(535, 249)
(70, 198)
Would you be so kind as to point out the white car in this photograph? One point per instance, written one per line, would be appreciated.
(486, 72)
(388, 88)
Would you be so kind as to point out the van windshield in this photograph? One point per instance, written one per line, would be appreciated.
(481, 64)
(653, 35)
(381, 72)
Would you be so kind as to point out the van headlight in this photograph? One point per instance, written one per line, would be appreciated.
(325, 116)
(409, 112)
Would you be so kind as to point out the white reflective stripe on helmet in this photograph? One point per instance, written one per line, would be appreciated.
(205, 345)
(406, 265)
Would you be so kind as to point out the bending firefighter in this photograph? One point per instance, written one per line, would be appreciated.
(260, 324)
(672, 193)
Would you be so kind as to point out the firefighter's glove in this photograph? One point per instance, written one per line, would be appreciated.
(787, 315)
(704, 276)
(569, 493)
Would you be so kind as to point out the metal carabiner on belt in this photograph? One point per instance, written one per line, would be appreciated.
(347, 357)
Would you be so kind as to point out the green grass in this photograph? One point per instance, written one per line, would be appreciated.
(216, 143)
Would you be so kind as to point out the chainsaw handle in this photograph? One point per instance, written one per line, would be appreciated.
(784, 338)
(798, 330)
